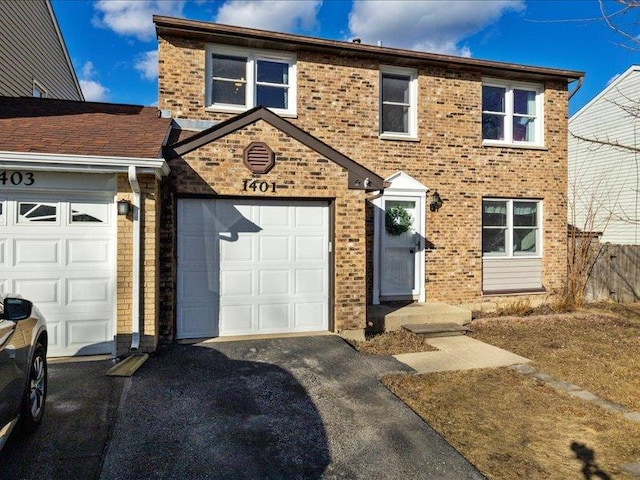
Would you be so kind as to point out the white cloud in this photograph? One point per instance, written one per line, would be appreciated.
(134, 17)
(147, 65)
(427, 26)
(92, 90)
(278, 15)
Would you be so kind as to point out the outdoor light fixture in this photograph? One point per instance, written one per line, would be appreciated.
(436, 202)
(124, 207)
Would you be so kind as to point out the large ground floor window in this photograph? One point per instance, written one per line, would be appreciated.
(511, 227)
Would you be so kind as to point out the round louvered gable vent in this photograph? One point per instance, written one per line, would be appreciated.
(258, 157)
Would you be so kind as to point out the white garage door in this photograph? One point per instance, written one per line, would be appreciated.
(60, 255)
(252, 267)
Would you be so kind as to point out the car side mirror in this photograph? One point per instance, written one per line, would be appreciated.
(16, 309)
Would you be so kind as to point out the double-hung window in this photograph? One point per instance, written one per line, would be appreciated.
(512, 113)
(240, 79)
(511, 228)
(398, 103)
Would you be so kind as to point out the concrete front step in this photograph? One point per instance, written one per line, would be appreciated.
(390, 317)
(433, 330)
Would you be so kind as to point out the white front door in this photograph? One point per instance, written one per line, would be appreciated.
(249, 267)
(400, 269)
(399, 260)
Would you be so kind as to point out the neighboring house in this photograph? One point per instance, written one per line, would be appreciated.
(604, 162)
(33, 56)
(63, 167)
(274, 220)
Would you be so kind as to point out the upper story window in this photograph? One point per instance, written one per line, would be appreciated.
(512, 113)
(511, 228)
(239, 79)
(398, 103)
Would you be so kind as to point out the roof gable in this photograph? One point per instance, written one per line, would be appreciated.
(360, 178)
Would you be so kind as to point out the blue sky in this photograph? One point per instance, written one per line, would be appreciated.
(113, 47)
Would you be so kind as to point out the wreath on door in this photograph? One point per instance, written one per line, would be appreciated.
(397, 220)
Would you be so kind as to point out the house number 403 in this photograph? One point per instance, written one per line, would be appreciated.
(16, 178)
(256, 186)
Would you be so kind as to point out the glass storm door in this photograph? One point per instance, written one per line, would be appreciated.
(399, 266)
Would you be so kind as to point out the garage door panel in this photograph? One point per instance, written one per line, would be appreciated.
(238, 250)
(89, 252)
(273, 255)
(273, 282)
(236, 320)
(309, 315)
(236, 283)
(196, 321)
(195, 247)
(273, 317)
(83, 332)
(36, 253)
(311, 248)
(44, 292)
(273, 216)
(3, 256)
(310, 281)
(198, 284)
(274, 249)
(95, 292)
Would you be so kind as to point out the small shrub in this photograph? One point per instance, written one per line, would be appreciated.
(519, 307)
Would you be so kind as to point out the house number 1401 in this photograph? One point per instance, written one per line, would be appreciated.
(257, 186)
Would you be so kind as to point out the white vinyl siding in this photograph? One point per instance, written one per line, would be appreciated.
(239, 79)
(513, 274)
(604, 181)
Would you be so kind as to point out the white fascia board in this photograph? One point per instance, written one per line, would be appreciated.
(81, 163)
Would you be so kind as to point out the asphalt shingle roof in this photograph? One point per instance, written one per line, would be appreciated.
(81, 128)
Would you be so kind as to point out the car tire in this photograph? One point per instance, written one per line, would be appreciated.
(35, 394)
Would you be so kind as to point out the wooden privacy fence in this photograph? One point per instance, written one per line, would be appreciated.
(615, 274)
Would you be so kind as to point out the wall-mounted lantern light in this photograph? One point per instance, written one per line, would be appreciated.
(124, 207)
(436, 202)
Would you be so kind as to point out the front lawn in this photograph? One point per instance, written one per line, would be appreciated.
(512, 426)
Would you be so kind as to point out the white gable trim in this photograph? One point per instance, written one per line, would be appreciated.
(81, 163)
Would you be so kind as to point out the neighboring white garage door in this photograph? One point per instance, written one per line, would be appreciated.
(252, 267)
(60, 255)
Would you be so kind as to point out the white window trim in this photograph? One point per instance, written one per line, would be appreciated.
(508, 254)
(252, 57)
(38, 86)
(412, 135)
(508, 127)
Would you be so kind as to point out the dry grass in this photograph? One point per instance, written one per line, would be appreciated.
(597, 349)
(393, 343)
(512, 426)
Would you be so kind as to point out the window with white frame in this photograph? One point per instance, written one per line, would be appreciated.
(38, 90)
(398, 103)
(240, 79)
(511, 228)
(512, 113)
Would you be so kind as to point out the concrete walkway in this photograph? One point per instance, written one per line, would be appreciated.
(459, 353)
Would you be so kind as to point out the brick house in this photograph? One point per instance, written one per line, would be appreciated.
(278, 219)
(286, 184)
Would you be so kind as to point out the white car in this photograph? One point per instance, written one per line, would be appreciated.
(23, 366)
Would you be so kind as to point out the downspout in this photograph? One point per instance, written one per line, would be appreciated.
(578, 86)
(135, 314)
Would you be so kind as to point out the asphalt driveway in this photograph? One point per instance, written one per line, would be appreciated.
(305, 407)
